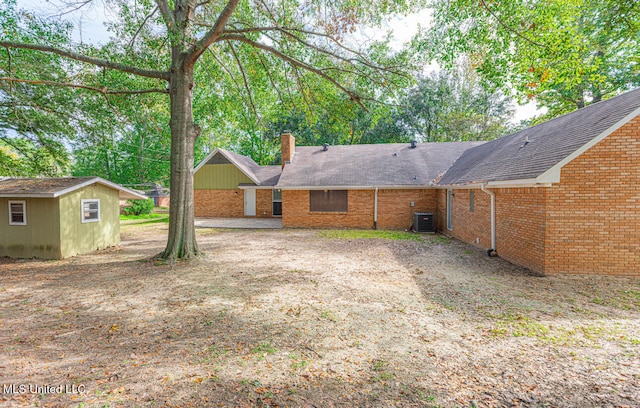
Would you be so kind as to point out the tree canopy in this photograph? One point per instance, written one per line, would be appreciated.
(563, 53)
(230, 58)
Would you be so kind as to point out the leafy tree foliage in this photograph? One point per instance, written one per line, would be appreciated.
(449, 105)
(138, 207)
(564, 53)
(453, 106)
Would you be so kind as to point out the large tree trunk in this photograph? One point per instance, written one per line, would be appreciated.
(182, 237)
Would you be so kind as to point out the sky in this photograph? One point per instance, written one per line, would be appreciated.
(89, 27)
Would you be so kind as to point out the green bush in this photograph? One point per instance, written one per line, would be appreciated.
(138, 207)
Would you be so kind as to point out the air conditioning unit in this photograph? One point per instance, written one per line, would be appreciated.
(423, 222)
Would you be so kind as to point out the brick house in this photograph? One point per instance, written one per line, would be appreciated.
(362, 186)
(559, 197)
(357, 186)
(227, 184)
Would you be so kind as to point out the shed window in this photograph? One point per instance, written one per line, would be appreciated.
(91, 210)
(17, 213)
(328, 201)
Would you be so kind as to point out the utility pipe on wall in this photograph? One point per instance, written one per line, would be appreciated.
(492, 250)
(375, 210)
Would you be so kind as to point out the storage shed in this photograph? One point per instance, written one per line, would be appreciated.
(55, 218)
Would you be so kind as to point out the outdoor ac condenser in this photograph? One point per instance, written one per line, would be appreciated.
(423, 222)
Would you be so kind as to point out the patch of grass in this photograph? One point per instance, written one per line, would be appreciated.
(298, 364)
(370, 234)
(440, 239)
(625, 299)
(329, 315)
(264, 348)
(208, 231)
(142, 216)
(146, 219)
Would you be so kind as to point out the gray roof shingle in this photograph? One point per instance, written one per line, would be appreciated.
(531, 152)
(57, 186)
(371, 165)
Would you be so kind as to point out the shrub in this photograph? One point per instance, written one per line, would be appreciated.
(138, 207)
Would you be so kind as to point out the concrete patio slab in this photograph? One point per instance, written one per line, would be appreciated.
(242, 223)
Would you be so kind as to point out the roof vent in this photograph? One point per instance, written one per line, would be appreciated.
(414, 144)
(325, 147)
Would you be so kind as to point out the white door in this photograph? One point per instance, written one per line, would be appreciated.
(250, 202)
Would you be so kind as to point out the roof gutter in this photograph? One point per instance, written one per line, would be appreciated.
(390, 187)
(492, 251)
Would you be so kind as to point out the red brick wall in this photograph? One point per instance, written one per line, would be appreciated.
(219, 203)
(441, 211)
(295, 211)
(594, 213)
(288, 147)
(520, 226)
(520, 217)
(394, 207)
(230, 203)
(472, 227)
(263, 203)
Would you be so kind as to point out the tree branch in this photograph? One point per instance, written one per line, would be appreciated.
(354, 96)
(144, 22)
(167, 15)
(104, 91)
(244, 79)
(90, 60)
(516, 32)
(216, 31)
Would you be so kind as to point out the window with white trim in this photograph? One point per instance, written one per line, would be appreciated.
(91, 210)
(17, 213)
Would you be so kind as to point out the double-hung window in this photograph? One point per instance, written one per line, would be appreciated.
(17, 213)
(91, 210)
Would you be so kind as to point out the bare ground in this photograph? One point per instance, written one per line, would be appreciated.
(287, 318)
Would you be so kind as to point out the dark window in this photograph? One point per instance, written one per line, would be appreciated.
(472, 201)
(328, 201)
(276, 202)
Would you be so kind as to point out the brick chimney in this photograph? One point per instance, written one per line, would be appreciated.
(288, 147)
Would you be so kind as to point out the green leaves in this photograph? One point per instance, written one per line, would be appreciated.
(565, 53)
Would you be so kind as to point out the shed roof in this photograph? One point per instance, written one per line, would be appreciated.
(372, 165)
(57, 186)
(260, 175)
(530, 153)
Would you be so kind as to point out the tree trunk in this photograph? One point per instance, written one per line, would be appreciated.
(181, 243)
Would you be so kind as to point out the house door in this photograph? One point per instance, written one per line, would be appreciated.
(250, 202)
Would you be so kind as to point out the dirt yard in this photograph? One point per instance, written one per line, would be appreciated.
(292, 318)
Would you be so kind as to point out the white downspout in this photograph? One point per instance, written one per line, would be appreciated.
(492, 250)
(375, 210)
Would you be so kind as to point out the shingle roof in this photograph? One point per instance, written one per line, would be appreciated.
(55, 187)
(371, 165)
(261, 175)
(531, 152)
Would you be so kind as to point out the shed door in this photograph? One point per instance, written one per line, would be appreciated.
(250, 202)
